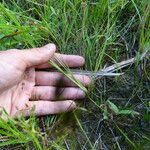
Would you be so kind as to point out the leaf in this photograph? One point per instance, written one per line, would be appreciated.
(53, 10)
(125, 112)
(10, 142)
(113, 107)
(128, 112)
(105, 115)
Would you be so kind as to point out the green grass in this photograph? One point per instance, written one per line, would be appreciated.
(104, 32)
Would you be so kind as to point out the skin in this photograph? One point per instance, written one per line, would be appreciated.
(22, 87)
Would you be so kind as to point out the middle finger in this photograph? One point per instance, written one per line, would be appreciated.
(57, 79)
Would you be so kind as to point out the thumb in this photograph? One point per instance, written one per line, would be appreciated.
(37, 56)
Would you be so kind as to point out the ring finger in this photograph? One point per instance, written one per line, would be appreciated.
(55, 93)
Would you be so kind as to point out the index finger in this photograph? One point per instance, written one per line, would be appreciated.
(69, 60)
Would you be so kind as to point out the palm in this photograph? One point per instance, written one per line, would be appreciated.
(23, 88)
(17, 97)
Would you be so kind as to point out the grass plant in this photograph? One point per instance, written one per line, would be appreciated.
(117, 112)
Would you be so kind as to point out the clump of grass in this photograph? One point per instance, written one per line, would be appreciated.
(21, 131)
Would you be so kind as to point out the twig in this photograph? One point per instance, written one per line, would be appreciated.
(109, 71)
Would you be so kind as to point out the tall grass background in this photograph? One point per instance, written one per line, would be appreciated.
(104, 32)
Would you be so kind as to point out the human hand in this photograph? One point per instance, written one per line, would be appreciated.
(22, 87)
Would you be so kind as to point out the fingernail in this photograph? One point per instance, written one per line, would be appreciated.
(81, 94)
(50, 46)
(72, 105)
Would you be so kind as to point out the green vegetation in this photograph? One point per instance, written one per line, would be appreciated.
(117, 114)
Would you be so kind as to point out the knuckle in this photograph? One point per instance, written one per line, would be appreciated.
(13, 50)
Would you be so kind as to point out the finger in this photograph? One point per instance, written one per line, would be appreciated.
(47, 107)
(57, 79)
(37, 56)
(69, 60)
(53, 93)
